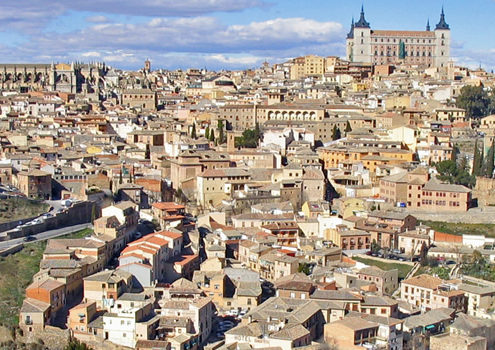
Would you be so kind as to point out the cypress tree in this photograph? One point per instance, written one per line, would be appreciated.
(147, 154)
(220, 132)
(207, 133)
(482, 162)
(336, 133)
(490, 160)
(193, 131)
(476, 160)
(212, 135)
(348, 128)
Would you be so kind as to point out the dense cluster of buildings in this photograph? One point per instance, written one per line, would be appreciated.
(228, 206)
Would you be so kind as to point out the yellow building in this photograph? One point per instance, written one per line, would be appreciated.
(305, 66)
(371, 158)
(358, 87)
(397, 102)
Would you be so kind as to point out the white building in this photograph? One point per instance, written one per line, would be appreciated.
(427, 48)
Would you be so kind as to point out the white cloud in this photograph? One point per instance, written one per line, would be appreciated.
(473, 58)
(235, 60)
(32, 15)
(205, 38)
(197, 34)
(91, 54)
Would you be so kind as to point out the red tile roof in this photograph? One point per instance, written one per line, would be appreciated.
(170, 234)
(168, 206)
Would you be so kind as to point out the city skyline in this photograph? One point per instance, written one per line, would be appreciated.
(219, 33)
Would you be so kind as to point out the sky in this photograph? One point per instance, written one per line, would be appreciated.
(223, 34)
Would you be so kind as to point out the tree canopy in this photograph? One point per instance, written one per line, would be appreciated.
(249, 138)
(476, 101)
(336, 133)
(455, 173)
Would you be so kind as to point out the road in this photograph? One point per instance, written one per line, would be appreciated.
(45, 235)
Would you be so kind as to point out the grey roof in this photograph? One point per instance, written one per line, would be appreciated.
(249, 289)
(389, 215)
(378, 300)
(476, 289)
(33, 305)
(97, 322)
(431, 317)
(291, 332)
(294, 311)
(109, 276)
(435, 185)
(241, 275)
(132, 297)
(334, 295)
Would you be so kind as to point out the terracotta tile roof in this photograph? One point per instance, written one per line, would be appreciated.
(424, 281)
(170, 234)
(48, 284)
(168, 206)
(185, 259)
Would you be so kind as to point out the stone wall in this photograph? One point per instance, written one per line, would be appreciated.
(484, 191)
(11, 250)
(78, 213)
(13, 224)
(52, 337)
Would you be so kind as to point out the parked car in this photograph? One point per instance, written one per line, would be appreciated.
(225, 325)
(29, 239)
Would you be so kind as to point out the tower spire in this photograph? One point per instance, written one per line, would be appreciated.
(350, 35)
(362, 21)
(428, 25)
(442, 24)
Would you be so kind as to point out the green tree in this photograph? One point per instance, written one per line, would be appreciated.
(193, 131)
(455, 173)
(455, 152)
(447, 170)
(121, 180)
(488, 165)
(423, 255)
(147, 154)
(375, 247)
(475, 100)
(477, 258)
(221, 132)
(402, 50)
(441, 272)
(257, 131)
(304, 268)
(336, 133)
(477, 160)
(75, 344)
(347, 128)
(207, 133)
(212, 135)
(249, 139)
(93, 213)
